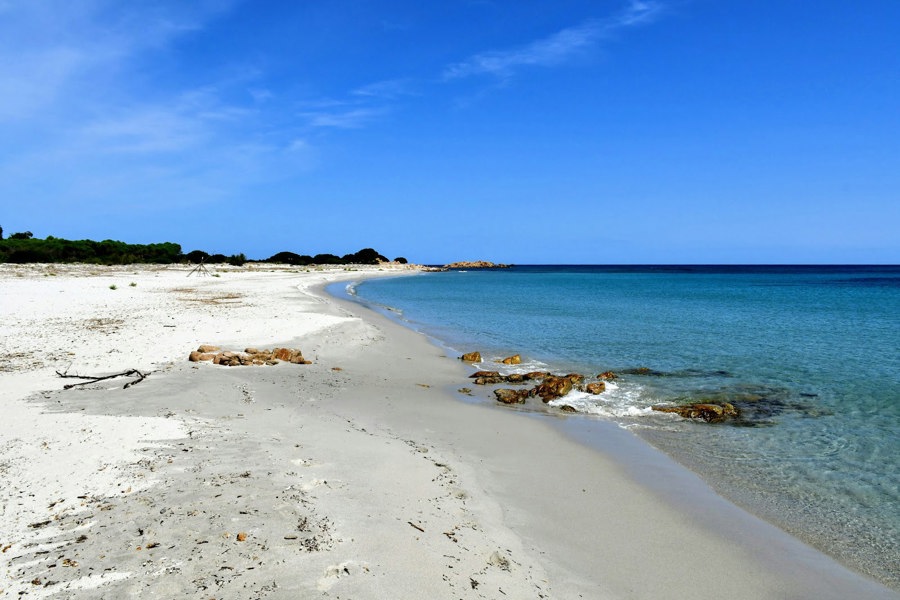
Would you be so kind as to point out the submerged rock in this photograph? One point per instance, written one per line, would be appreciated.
(710, 413)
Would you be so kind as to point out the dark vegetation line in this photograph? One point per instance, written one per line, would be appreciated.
(23, 247)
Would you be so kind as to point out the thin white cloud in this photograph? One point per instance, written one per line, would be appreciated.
(349, 119)
(388, 89)
(52, 50)
(557, 48)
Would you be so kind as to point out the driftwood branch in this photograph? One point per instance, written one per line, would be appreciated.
(95, 378)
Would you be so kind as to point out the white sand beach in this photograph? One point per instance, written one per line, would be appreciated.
(361, 475)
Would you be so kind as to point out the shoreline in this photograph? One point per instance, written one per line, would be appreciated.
(869, 555)
(361, 475)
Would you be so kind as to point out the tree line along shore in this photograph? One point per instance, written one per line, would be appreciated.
(23, 247)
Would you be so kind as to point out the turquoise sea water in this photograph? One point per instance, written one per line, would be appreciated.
(810, 355)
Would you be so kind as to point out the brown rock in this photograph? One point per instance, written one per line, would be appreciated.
(537, 375)
(553, 387)
(574, 377)
(567, 408)
(607, 376)
(472, 357)
(507, 396)
(489, 380)
(195, 356)
(515, 359)
(710, 413)
(207, 348)
(597, 387)
(251, 350)
(478, 374)
(282, 353)
(515, 377)
(241, 537)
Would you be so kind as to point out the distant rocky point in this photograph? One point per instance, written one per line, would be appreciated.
(476, 264)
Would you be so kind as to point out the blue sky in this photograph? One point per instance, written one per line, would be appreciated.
(603, 131)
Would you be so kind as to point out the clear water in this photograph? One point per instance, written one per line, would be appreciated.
(810, 355)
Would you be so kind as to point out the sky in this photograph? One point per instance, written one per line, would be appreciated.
(520, 131)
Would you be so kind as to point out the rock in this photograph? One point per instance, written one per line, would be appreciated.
(711, 413)
(476, 264)
(252, 356)
(607, 376)
(489, 380)
(597, 387)
(574, 377)
(568, 408)
(241, 537)
(508, 396)
(472, 357)
(478, 374)
(204, 348)
(515, 377)
(537, 375)
(553, 387)
(282, 354)
(515, 359)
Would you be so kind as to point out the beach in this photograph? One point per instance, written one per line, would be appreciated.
(364, 474)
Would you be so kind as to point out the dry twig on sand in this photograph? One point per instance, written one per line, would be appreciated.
(95, 378)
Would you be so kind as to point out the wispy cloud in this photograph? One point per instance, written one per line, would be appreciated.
(344, 119)
(557, 48)
(50, 49)
(388, 89)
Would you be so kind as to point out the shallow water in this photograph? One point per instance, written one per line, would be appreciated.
(810, 356)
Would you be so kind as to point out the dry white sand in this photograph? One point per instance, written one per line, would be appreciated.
(358, 476)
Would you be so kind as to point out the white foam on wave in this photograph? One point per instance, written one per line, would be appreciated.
(617, 402)
(521, 368)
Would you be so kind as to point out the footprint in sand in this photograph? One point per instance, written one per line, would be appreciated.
(335, 572)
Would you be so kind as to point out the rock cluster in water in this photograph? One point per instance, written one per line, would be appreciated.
(548, 387)
(250, 356)
(476, 264)
(552, 387)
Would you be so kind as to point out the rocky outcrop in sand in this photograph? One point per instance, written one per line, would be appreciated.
(250, 356)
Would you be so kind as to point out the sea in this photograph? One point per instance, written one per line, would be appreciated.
(809, 355)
